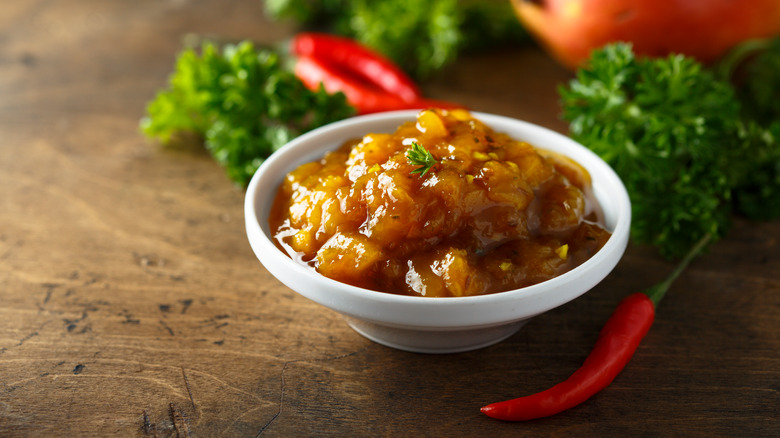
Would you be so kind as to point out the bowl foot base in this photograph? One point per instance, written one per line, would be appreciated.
(434, 341)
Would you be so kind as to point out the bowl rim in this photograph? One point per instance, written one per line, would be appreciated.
(357, 302)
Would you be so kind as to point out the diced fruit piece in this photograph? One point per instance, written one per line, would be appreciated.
(348, 256)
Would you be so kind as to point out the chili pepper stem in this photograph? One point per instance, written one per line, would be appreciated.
(657, 292)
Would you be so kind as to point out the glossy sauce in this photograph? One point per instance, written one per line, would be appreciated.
(493, 214)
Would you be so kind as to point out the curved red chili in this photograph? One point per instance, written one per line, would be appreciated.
(614, 347)
(358, 60)
(365, 98)
(616, 344)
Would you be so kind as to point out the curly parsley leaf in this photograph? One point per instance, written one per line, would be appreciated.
(674, 134)
(423, 36)
(753, 66)
(757, 186)
(419, 156)
(244, 103)
(310, 12)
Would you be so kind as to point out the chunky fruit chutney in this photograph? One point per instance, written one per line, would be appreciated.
(490, 214)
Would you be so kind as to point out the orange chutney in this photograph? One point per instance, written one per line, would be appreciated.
(493, 214)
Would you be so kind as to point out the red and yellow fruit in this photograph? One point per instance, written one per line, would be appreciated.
(704, 29)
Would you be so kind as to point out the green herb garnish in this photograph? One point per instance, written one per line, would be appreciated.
(419, 156)
(244, 103)
(421, 36)
(681, 141)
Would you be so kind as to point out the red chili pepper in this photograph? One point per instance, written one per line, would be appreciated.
(363, 96)
(616, 344)
(614, 347)
(358, 60)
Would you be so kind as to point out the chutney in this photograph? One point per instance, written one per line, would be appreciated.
(492, 214)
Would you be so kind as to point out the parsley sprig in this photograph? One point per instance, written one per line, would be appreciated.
(681, 140)
(243, 101)
(425, 36)
(419, 156)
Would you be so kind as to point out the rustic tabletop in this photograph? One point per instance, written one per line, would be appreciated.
(131, 303)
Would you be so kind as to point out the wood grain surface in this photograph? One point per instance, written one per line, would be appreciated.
(132, 305)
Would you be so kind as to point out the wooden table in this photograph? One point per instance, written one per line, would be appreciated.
(132, 305)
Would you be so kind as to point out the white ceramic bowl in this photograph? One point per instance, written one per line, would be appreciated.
(427, 324)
